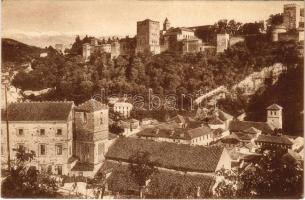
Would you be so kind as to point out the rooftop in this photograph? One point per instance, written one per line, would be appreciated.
(274, 107)
(238, 126)
(273, 139)
(91, 106)
(121, 179)
(176, 133)
(38, 111)
(168, 155)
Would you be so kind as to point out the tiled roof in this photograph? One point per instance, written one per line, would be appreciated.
(274, 107)
(230, 138)
(121, 180)
(252, 130)
(178, 119)
(91, 106)
(215, 121)
(38, 111)
(237, 126)
(177, 133)
(83, 167)
(273, 139)
(200, 131)
(218, 132)
(168, 155)
(243, 136)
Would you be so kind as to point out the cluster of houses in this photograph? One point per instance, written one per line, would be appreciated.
(75, 140)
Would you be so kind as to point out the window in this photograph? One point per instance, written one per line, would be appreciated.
(58, 148)
(42, 132)
(59, 131)
(85, 117)
(70, 150)
(59, 169)
(2, 149)
(20, 131)
(101, 118)
(42, 149)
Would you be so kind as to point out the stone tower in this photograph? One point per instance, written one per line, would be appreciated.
(166, 24)
(86, 51)
(91, 131)
(291, 16)
(275, 116)
(222, 42)
(148, 36)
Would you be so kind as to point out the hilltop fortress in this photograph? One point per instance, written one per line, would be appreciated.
(149, 38)
(153, 38)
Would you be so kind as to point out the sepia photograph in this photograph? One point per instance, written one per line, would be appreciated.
(152, 99)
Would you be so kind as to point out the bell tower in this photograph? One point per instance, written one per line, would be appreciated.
(166, 25)
(275, 116)
(91, 131)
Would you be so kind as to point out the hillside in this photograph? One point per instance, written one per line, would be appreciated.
(17, 52)
(287, 92)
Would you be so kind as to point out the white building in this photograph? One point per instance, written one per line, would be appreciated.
(123, 107)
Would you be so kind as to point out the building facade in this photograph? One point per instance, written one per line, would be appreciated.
(43, 127)
(66, 139)
(124, 108)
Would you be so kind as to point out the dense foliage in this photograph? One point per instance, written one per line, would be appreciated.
(72, 79)
(14, 51)
(24, 181)
(273, 175)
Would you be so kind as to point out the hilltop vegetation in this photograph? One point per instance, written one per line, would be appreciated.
(165, 73)
(14, 51)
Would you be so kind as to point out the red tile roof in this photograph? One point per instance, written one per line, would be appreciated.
(169, 155)
(39, 111)
(91, 106)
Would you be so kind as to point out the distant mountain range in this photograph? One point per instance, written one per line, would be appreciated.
(46, 39)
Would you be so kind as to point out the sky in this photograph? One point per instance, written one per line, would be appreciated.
(119, 17)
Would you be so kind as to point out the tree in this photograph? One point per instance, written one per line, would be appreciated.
(116, 129)
(272, 175)
(276, 19)
(142, 168)
(24, 180)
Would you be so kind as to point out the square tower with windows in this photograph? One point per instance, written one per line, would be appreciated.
(275, 116)
(91, 131)
(148, 36)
